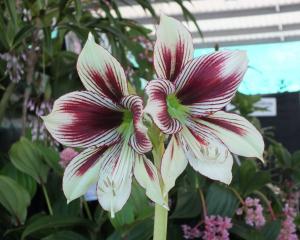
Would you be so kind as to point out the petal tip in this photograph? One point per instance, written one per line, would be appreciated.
(91, 37)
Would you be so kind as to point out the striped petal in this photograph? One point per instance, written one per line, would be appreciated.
(139, 140)
(173, 48)
(114, 184)
(82, 172)
(84, 119)
(208, 83)
(100, 72)
(157, 91)
(237, 133)
(173, 163)
(147, 176)
(207, 154)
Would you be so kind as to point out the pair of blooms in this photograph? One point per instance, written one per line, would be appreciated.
(185, 102)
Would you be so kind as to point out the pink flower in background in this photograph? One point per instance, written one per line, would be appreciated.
(66, 156)
(216, 228)
(189, 232)
(254, 212)
(288, 227)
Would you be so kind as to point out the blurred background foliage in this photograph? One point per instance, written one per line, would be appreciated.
(37, 65)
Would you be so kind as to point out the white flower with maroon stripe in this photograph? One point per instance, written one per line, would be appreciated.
(187, 101)
(107, 121)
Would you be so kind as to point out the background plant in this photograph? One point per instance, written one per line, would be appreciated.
(36, 68)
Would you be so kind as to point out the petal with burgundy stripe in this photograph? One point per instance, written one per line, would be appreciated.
(139, 140)
(84, 119)
(115, 177)
(237, 133)
(206, 153)
(157, 91)
(173, 48)
(208, 83)
(100, 72)
(82, 172)
(173, 163)
(147, 176)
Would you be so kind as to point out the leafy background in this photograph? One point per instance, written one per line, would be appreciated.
(40, 69)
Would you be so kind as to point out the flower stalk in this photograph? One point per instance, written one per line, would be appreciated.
(161, 213)
(47, 199)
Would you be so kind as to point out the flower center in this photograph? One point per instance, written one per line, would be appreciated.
(126, 127)
(176, 109)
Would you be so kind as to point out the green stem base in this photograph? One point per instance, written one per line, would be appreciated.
(160, 222)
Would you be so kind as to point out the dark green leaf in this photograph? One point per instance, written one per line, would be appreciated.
(21, 178)
(14, 198)
(65, 235)
(44, 223)
(26, 157)
(12, 9)
(188, 204)
(221, 201)
(271, 230)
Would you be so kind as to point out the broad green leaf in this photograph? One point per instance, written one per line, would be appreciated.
(14, 198)
(248, 179)
(65, 235)
(136, 208)
(21, 178)
(220, 200)
(26, 157)
(271, 229)
(188, 204)
(53, 223)
(51, 157)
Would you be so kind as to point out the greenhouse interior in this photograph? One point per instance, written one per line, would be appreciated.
(149, 119)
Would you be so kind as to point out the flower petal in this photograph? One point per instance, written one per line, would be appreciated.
(208, 83)
(114, 184)
(157, 91)
(82, 172)
(147, 176)
(237, 133)
(207, 154)
(173, 48)
(84, 119)
(100, 72)
(139, 140)
(173, 163)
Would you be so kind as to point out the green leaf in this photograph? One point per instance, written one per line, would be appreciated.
(21, 178)
(12, 9)
(46, 223)
(14, 198)
(26, 157)
(188, 204)
(51, 157)
(220, 200)
(271, 230)
(25, 31)
(64, 235)
(248, 179)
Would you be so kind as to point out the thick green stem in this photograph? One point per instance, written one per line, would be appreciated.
(5, 98)
(161, 213)
(47, 199)
(160, 222)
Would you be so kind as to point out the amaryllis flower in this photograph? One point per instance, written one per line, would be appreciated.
(186, 101)
(107, 121)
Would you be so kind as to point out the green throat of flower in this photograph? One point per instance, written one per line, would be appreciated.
(126, 127)
(176, 109)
